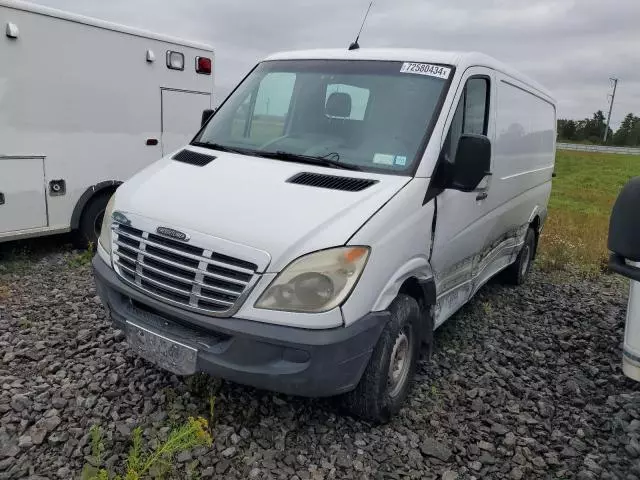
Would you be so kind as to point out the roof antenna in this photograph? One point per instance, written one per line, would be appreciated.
(354, 45)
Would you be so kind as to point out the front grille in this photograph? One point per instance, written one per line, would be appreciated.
(179, 273)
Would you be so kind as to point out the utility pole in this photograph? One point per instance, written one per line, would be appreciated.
(613, 96)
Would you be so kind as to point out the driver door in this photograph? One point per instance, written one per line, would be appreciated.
(464, 219)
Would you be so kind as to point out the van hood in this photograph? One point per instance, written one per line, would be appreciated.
(247, 200)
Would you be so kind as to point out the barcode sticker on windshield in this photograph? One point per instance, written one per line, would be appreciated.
(426, 69)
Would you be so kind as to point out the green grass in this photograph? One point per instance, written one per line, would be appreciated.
(144, 461)
(583, 194)
(82, 258)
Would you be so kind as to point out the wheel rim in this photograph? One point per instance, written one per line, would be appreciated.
(400, 362)
(97, 223)
(526, 258)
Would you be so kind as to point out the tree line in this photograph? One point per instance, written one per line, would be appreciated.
(591, 130)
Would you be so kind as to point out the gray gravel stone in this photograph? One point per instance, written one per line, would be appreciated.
(10, 451)
(509, 439)
(25, 441)
(37, 434)
(516, 473)
(433, 448)
(499, 429)
(586, 475)
(20, 402)
(487, 459)
(229, 452)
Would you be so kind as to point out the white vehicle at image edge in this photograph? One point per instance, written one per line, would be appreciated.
(336, 209)
(624, 243)
(85, 104)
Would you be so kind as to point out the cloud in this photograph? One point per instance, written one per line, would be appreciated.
(570, 46)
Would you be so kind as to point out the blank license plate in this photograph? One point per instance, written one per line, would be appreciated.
(166, 353)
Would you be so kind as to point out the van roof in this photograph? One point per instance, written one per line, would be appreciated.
(461, 60)
(72, 17)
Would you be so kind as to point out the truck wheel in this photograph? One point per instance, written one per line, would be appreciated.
(385, 382)
(91, 220)
(518, 271)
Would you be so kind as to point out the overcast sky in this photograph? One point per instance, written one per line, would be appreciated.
(570, 46)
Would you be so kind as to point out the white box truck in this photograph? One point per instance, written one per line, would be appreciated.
(336, 209)
(84, 104)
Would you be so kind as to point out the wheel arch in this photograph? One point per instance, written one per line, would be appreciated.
(414, 279)
(536, 221)
(88, 195)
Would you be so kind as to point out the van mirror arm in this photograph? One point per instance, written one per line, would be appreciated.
(618, 264)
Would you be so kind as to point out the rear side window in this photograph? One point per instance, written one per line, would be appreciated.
(472, 113)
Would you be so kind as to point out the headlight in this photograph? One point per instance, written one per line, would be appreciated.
(105, 230)
(316, 282)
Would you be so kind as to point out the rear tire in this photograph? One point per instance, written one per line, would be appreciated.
(517, 273)
(385, 382)
(91, 220)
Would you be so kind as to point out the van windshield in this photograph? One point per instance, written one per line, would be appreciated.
(368, 115)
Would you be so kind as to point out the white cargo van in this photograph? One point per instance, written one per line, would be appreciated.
(336, 209)
(624, 243)
(84, 104)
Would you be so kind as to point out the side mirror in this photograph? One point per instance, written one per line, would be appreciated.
(624, 231)
(472, 163)
(206, 115)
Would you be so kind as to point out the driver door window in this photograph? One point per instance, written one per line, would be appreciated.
(472, 113)
(261, 117)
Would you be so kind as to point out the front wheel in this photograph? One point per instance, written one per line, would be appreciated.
(385, 382)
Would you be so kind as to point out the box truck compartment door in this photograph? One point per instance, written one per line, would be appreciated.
(22, 193)
(181, 116)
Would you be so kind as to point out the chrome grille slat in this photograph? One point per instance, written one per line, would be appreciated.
(191, 256)
(194, 281)
(171, 288)
(213, 300)
(180, 276)
(185, 267)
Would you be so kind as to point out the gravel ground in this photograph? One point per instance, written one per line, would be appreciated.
(525, 383)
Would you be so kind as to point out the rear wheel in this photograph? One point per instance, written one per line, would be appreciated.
(91, 220)
(385, 382)
(518, 272)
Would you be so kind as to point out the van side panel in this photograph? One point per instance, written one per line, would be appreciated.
(524, 146)
(524, 152)
(86, 100)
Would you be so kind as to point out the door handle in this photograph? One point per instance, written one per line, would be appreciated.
(1, 198)
(481, 196)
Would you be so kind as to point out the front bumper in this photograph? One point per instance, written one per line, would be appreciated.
(290, 360)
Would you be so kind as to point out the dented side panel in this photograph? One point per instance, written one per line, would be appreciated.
(475, 239)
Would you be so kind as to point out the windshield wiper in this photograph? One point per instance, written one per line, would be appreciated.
(281, 155)
(222, 148)
(310, 159)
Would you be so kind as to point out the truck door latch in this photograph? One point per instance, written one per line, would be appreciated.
(1, 198)
(57, 188)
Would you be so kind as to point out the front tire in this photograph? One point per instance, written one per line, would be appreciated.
(385, 382)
